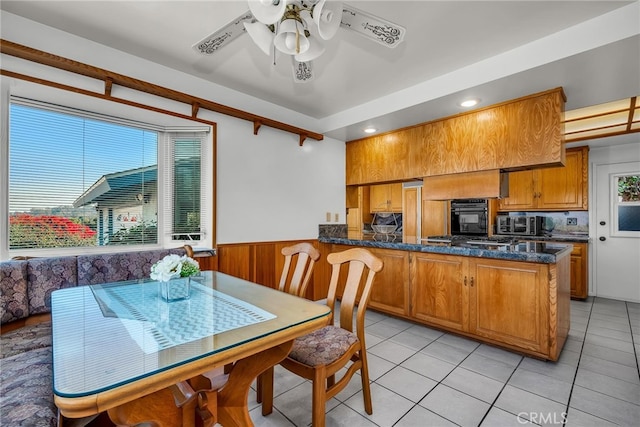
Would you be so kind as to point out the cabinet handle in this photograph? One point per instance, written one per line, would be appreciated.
(465, 280)
(472, 281)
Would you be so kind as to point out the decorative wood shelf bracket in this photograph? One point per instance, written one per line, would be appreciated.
(110, 78)
(256, 126)
(303, 136)
(108, 83)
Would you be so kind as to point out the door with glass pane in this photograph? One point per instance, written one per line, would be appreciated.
(617, 231)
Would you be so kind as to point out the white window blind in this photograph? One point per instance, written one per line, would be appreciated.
(184, 198)
(81, 179)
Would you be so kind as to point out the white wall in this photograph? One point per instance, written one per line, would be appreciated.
(269, 188)
(604, 154)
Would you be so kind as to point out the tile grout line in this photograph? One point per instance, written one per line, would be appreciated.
(575, 374)
(635, 352)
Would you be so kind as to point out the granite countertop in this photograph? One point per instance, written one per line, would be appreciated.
(526, 250)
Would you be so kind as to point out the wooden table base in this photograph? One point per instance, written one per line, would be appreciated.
(181, 404)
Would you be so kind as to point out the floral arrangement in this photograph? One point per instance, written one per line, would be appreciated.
(173, 266)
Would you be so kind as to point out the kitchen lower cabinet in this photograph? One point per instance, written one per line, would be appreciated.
(579, 270)
(521, 306)
(499, 300)
(390, 291)
(509, 303)
(439, 292)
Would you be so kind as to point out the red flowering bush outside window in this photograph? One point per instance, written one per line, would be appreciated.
(48, 231)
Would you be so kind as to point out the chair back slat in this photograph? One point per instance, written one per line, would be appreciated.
(356, 290)
(305, 256)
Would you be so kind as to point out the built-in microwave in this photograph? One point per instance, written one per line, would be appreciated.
(525, 225)
(469, 217)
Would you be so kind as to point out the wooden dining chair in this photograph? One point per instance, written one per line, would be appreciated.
(319, 355)
(305, 256)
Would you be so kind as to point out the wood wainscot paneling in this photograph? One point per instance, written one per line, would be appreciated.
(262, 262)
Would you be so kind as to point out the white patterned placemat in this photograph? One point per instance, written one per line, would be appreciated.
(156, 325)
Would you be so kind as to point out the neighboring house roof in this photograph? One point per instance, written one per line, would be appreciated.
(119, 185)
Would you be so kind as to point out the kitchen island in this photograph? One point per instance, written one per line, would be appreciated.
(515, 296)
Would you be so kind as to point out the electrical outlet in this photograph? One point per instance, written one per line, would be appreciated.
(572, 221)
(328, 216)
(337, 217)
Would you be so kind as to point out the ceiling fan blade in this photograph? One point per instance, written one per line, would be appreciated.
(302, 71)
(224, 35)
(377, 29)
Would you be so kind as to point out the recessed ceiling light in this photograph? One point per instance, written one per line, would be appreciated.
(469, 102)
(370, 130)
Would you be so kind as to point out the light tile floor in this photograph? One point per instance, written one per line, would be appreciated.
(424, 377)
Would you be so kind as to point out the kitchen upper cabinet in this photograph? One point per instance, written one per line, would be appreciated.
(380, 158)
(525, 132)
(386, 198)
(551, 189)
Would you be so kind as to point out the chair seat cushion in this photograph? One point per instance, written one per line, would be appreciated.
(323, 346)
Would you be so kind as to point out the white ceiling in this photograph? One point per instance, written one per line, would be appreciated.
(495, 50)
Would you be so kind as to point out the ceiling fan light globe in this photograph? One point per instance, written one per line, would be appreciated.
(316, 48)
(290, 38)
(267, 11)
(327, 15)
(261, 36)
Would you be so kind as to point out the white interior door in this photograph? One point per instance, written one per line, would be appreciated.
(616, 242)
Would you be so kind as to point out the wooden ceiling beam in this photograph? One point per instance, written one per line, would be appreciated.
(61, 63)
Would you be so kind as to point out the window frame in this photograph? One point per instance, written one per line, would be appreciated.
(615, 205)
(207, 133)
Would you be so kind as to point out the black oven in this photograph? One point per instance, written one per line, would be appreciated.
(469, 217)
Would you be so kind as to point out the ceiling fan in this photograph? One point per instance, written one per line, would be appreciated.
(298, 28)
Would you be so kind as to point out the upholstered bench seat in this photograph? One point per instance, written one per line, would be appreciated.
(25, 387)
(26, 395)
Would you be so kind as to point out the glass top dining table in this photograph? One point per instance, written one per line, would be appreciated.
(120, 341)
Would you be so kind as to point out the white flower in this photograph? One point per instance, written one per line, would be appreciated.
(173, 266)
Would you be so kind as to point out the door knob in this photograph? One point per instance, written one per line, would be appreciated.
(602, 238)
(602, 223)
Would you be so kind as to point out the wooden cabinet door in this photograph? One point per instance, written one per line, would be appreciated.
(386, 197)
(579, 262)
(410, 215)
(379, 198)
(507, 303)
(521, 192)
(564, 187)
(439, 289)
(435, 217)
(390, 291)
(395, 197)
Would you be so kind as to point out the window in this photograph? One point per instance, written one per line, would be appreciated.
(81, 180)
(626, 205)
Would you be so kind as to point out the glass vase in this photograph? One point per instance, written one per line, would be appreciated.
(176, 289)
